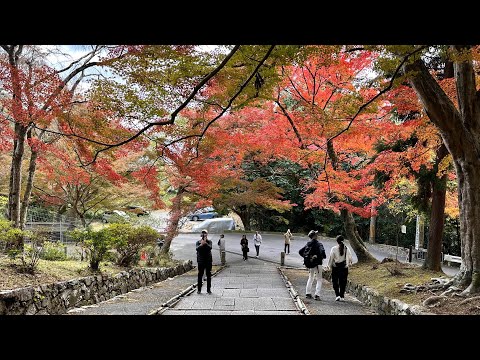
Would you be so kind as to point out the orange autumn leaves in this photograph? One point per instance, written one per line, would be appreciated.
(315, 102)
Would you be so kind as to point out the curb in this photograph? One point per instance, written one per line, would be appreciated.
(174, 300)
(293, 293)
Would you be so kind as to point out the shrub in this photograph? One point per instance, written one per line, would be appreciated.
(128, 241)
(32, 251)
(10, 237)
(95, 243)
(53, 251)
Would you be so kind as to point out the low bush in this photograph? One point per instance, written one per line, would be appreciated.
(128, 241)
(32, 251)
(95, 243)
(53, 251)
(10, 237)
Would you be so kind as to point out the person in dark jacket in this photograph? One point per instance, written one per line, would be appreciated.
(204, 261)
(244, 245)
(317, 254)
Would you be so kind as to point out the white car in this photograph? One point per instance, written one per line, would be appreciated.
(215, 226)
(115, 216)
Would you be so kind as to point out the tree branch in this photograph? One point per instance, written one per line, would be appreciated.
(438, 106)
(390, 85)
(290, 120)
(232, 99)
(467, 92)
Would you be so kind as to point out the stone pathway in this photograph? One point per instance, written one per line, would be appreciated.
(253, 287)
(327, 306)
(140, 301)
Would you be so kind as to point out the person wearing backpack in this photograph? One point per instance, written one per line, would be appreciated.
(339, 260)
(313, 254)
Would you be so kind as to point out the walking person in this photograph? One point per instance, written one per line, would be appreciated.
(221, 244)
(288, 237)
(204, 261)
(313, 254)
(244, 245)
(257, 240)
(339, 260)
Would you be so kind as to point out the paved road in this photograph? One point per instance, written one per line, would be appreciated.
(183, 247)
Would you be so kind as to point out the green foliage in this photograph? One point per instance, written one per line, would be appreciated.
(96, 244)
(10, 237)
(53, 251)
(128, 240)
(451, 237)
(289, 177)
(3, 206)
(13, 253)
(388, 225)
(32, 251)
(155, 258)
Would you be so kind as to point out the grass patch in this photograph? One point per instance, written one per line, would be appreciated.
(385, 283)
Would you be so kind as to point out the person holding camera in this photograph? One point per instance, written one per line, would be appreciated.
(204, 261)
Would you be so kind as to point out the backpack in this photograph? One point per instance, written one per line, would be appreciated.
(308, 251)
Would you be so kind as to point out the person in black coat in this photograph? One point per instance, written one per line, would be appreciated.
(204, 261)
(244, 245)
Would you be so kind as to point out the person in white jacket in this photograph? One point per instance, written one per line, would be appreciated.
(257, 240)
(339, 260)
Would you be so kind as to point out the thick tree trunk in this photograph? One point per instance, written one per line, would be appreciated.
(245, 217)
(14, 203)
(28, 188)
(460, 130)
(175, 216)
(468, 173)
(433, 260)
(363, 255)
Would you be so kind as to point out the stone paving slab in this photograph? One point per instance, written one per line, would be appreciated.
(255, 288)
(284, 304)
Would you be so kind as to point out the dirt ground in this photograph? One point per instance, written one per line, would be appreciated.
(381, 277)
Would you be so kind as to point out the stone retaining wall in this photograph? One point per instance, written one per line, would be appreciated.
(58, 298)
(380, 304)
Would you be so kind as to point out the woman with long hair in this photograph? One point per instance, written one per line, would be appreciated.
(340, 259)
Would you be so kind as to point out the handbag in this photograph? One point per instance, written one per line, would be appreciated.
(248, 249)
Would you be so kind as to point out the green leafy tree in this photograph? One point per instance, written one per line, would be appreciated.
(96, 243)
(129, 240)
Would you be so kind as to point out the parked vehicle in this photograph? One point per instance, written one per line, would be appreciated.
(114, 216)
(202, 214)
(215, 226)
(135, 209)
